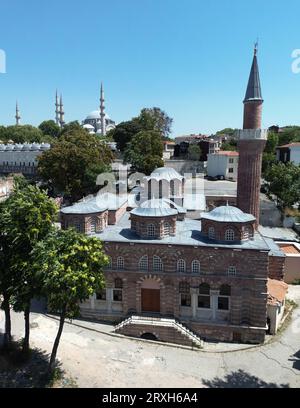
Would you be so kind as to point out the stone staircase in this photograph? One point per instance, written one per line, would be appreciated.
(168, 330)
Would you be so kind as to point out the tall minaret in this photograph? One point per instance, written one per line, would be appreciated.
(251, 143)
(57, 109)
(61, 112)
(102, 112)
(18, 117)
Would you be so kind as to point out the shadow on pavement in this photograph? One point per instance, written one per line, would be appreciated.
(25, 371)
(240, 379)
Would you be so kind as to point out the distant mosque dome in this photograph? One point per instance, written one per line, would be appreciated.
(92, 122)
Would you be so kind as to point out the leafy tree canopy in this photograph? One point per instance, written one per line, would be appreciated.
(226, 131)
(149, 119)
(289, 134)
(22, 134)
(194, 151)
(49, 128)
(145, 151)
(283, 180)
(73, 163)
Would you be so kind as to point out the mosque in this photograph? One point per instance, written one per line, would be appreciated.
(174, 278)
(98, 121)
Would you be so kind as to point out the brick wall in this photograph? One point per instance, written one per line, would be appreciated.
(276, 267)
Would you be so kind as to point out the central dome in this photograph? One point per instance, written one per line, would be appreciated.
(228, 213)
(167, 173)
(95, 115)
(154, 208)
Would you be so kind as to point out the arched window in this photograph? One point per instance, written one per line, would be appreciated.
(224, 297)
(181, 265)
(166, 228)
(229, 235)
(172, 188)
(93, 225)
(160, 189)
(120, 262)
(143, 263)
(118, 290)
(185, 295)
(225, 290)
(247, 232)
(231, 271)
(151, 230)
(211, 233)
(77, 225)
(204, 296)
(195, 266)
(118, 283)
(109, 266)
(157, 264)
(149, 190)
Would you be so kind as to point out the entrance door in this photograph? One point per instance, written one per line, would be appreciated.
(150, 300)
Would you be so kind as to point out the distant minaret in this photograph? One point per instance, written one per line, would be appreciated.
(251, 143)
(18, 117)
(57, 110)
(102, 112)
(61, 113)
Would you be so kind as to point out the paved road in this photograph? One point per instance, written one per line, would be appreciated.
(98, 360)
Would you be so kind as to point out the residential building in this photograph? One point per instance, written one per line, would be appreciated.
(224, 164)
(289, 153)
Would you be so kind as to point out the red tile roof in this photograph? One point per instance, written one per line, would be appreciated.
(276, 291)
(228, 153)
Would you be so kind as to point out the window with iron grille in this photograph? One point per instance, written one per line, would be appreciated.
(151, 230)
(229, 235)
(231, 271)
(211, 233)
(157, 263)
(181, 265)
(143, 263)
(120, 262)
(195, 266)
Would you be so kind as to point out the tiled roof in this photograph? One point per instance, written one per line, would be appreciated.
(276, 291)
(228, 153)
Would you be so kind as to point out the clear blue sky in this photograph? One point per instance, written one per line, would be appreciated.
(189, 57)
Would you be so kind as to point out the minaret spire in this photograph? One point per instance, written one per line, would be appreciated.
(57, 109)
(102, 112)
(18, 117)
(61, 112)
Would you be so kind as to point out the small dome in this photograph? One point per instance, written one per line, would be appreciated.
(26, 146)
(154, 208)
(9, 147)
(18, 146)
(88, 126)
(166, 173)
(228, 213)
(35, 146)
(45, 146)
(2, 146)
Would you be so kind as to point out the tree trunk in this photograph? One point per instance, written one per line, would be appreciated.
(6, 307)
(27, 328)
(57, 339)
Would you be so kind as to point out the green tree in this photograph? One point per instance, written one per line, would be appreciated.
(71, 269)
(145, 151)
(194, 151)
(71, 127)
(24, 133)
(226, 131)
(283, 180)
(73, 163)
(272, 142)
(27, 218)
(49, 128)
(124, 132)
(230, 145)
(155, 119)
(289, 134)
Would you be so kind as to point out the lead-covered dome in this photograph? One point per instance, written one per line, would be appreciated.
(166, 173)
(228, 213)
(154, 208)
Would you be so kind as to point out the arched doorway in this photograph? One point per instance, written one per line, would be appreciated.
(150, 291)
(149, 336)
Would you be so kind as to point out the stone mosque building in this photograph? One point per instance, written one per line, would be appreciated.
(184, 280)
(98, 121)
